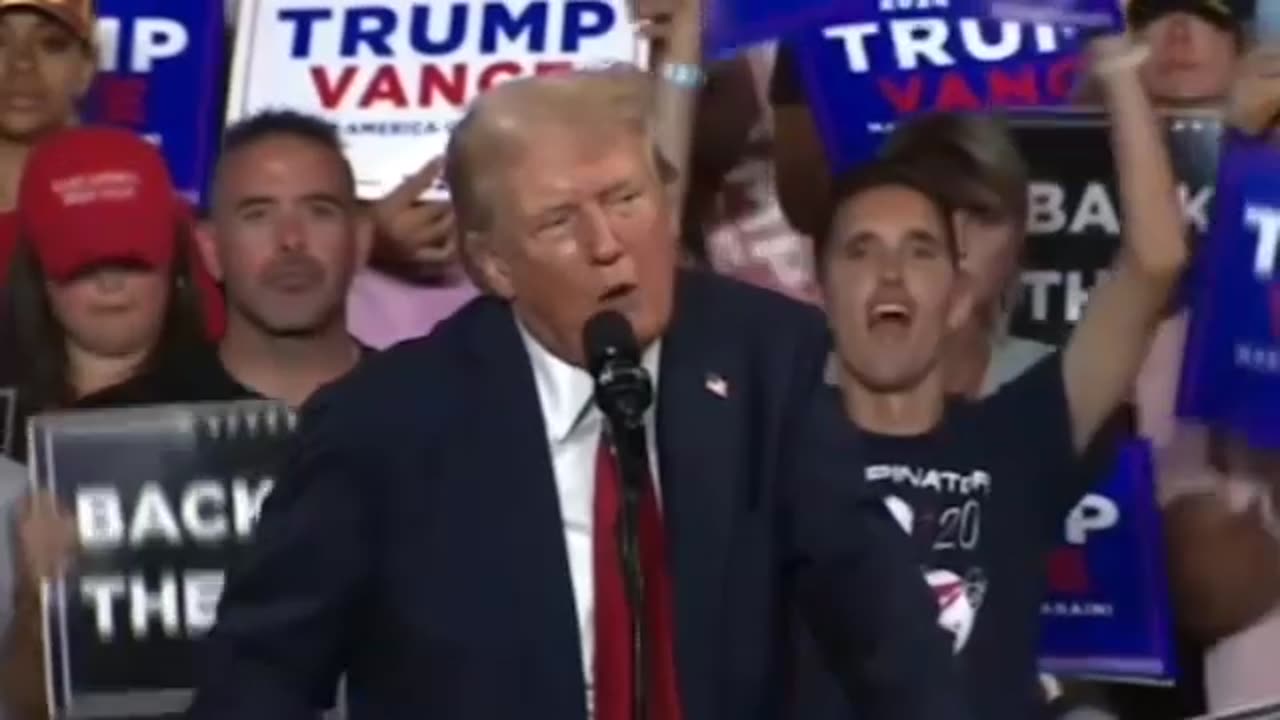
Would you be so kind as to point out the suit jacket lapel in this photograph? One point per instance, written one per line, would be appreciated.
(513, 455)
(699, 422)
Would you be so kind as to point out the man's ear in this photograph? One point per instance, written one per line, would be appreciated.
(207, 243)
(492, 269)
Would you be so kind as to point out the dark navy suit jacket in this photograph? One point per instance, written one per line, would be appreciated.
(414, 540)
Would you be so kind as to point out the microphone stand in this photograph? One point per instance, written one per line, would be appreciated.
(631, 449)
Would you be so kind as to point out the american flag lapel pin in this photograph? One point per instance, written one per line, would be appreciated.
(717, 385)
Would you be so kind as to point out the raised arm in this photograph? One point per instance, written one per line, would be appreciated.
(281, 638)
(1104, 354)
(677, 68)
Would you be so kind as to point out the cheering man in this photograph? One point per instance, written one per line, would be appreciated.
(985, 486)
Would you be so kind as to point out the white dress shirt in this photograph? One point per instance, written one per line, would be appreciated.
(574, 425)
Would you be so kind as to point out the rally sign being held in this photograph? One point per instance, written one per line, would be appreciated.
(1074, 212)
(736, 24)
(1231, 370)
(913, 56)
(732, 25)
(396, 77)
(161, 65)
(1106, 614)
(164, 500)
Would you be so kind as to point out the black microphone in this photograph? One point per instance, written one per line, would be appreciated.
(623, 388)
(623, 392)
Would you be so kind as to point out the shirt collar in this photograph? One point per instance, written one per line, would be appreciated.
(565, 391)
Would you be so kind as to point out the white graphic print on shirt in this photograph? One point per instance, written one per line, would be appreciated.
(946, 518)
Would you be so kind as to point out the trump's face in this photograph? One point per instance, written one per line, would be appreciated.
(582, 223)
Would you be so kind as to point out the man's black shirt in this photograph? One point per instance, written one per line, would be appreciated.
(985, 495)
(198, 377)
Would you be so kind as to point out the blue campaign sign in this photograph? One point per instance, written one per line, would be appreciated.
(910, 57)
(735, 24)
(1106, 614)
(162, 65)
(1101, 15)
(1231, 370)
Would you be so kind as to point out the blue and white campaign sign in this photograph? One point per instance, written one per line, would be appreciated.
(1106, 614)
(1231, 371)
(161, 66)
(735, 24)
(914, 56)
(396, 77)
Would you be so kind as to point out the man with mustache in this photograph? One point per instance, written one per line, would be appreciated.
(287, 236)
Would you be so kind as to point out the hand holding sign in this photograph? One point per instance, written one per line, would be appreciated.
(47, 536)
(415, 235)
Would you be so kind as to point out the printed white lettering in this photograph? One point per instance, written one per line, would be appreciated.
(977, 482)
(246, 500)
(200, 510)
(153, 519)
(203, 527)
(1092, 514)
(854, 37)
(919, 39)
(201, 591)
(99, 517)
(922, 41)
(1008, 44)
(150, 39)
(1039, 284)
(1048, 211)
(100, 593)
(1077, 609)
(959, 527)
(1258, 359)
(1045, 213)
(1264, 221)
(1195, 206)
(890, 6)
(1097, 212)
(182, 604)
(162, 604)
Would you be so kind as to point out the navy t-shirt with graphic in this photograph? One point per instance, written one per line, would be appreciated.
(984, 496)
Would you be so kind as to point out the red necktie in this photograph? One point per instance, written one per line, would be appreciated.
(613, 617)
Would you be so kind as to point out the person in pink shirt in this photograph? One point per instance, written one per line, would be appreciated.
(414, 279)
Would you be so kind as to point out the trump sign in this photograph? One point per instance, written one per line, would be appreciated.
(903, 57)
(1106, 613)
(160, 74)
(396, 76)
(1231, 373)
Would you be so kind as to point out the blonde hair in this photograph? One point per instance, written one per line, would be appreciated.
(504, 121)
